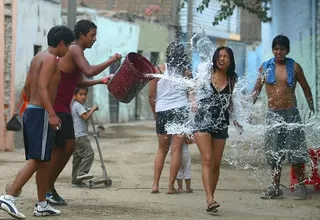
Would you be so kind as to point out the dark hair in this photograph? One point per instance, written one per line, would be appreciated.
(231, 69)
(176, 57)
(83, 27)
(77, 90)
(60, 33)
(282, 41)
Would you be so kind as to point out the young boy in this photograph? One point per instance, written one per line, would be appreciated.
(40, 122)
(83, 155)
(280, 76)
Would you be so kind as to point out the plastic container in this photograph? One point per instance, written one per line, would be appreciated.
(131, 77)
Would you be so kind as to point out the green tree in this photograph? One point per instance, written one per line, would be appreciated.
(258, 7)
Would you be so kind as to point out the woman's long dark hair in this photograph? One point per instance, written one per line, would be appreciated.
(231, 69)
(176, 58)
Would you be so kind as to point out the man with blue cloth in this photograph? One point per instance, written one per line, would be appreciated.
(284, 134)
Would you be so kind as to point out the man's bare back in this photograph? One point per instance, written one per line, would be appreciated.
(75, 61)
(67, 63)
(43, 63)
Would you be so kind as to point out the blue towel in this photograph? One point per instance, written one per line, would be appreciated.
(269, 67)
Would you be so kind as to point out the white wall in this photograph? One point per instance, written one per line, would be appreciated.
(35, 18)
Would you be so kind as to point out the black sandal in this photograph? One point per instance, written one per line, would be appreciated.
(212, 206)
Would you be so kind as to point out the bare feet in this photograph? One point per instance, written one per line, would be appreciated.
(180, 190)
(173, 191)
(155, 190)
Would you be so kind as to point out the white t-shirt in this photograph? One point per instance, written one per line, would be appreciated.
(170, 94)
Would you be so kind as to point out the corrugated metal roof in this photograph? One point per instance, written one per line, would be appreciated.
(227, 29)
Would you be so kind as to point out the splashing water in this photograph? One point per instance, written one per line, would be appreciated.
(245, 151)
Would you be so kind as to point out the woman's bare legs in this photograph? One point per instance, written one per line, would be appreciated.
(176, 150)
(217, 152)
(164, 143)
(204, 143)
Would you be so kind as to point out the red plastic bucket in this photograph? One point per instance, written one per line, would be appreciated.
(130, 78)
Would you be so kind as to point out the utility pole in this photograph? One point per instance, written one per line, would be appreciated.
(190, 28)
(176, 20)
(2, 86)
(72, 13)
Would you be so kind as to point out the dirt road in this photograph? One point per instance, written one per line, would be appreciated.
(129, 153)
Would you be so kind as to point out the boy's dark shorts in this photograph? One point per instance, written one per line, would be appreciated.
(37, 134)
(66, 132)
(285, 136)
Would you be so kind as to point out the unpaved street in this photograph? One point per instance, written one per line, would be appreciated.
(129, 152)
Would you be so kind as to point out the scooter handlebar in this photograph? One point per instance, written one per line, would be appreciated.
(88, 109)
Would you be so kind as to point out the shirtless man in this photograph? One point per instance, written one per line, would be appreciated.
(39, 122)
(72, 66)
(284, 133)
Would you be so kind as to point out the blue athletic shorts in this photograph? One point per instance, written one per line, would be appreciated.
(37, 134)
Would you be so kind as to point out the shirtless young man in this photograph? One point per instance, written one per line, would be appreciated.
(285, 134)
(72, 66)
(39, 122)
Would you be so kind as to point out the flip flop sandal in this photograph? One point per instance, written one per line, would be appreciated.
(212, 206)
(213, 211)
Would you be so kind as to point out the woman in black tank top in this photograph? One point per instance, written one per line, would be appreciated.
(212, 121)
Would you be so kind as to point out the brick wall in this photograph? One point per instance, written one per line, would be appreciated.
(317, 96)
(7, 62)
(7, 52)
(131, 6)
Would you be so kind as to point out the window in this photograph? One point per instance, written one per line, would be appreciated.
(154, 58)
(36, 49)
